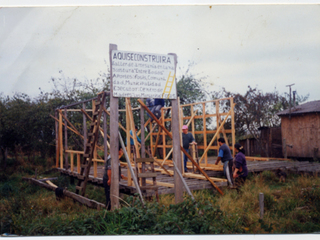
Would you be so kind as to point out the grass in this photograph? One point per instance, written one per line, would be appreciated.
(290, 207)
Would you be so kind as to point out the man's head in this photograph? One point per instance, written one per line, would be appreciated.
(185, 129)
(120, 150)
(221, 141)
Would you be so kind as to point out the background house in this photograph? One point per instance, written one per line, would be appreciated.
(301, 130)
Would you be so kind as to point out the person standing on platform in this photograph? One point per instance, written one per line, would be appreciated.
(155, 106)
(225, 157)
(187, 138)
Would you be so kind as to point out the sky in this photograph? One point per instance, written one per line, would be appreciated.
(232, 46)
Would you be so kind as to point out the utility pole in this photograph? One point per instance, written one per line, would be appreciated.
(290, 99)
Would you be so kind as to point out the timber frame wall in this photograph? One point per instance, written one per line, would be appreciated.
(198, 116)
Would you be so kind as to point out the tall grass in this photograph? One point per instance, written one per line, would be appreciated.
(290, 207)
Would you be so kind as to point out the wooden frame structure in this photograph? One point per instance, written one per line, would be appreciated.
(197, 115)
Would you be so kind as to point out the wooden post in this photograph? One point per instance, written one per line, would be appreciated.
(84, 127)
(57, 139)
(105, 136)
(143, 149)
(248, 147)
(71, 161)
(60, 140)
(180, 132)
(95, 155)
(205, 133)
(261, 204)
(192, 131)
(78, 163)
(142, 136)
(175, 127)
(232, 126)
(128, 145)
(114, 139)
(218, 122)
(65, 139)
(163, 136)
(284, 148)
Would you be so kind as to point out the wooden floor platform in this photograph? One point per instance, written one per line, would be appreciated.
(166, 182)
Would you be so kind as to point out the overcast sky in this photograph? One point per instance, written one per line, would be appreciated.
(264, 46)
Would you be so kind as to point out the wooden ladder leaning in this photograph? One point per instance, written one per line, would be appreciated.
(91, 143)
(143, 175)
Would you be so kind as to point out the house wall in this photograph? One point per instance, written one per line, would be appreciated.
(303, 132)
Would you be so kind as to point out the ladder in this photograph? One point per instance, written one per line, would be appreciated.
(143, 175)
(169, 85)
(91, 143)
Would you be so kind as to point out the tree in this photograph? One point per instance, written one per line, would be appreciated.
(255, 109)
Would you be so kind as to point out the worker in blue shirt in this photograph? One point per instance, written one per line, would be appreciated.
(225, 157)
(131, 139)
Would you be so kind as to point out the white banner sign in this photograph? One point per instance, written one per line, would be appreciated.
(143, 75)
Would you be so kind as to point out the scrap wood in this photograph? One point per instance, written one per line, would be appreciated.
(86, 201)
(182, 149)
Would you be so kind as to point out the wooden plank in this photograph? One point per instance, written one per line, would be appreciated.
(51, 184)
(164, 184)
(198, 176)
(74, 151)
(144, 160)
(147, 174)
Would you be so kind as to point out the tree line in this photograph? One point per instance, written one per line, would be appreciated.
(27, 130)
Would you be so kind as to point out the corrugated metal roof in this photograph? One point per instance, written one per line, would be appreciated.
(309, 107)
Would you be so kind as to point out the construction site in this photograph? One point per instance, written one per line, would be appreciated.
(87, 132)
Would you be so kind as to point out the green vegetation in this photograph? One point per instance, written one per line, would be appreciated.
(290, 207)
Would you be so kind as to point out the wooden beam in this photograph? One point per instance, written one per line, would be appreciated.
(204, 133)
(169, 134)
(60, 140)
(134, 136)
(83, 200)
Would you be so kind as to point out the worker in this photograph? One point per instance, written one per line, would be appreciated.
(241, 171)
(225, 156)
(187, 139)
(107, 177)
(131, 139)
(155, 106)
